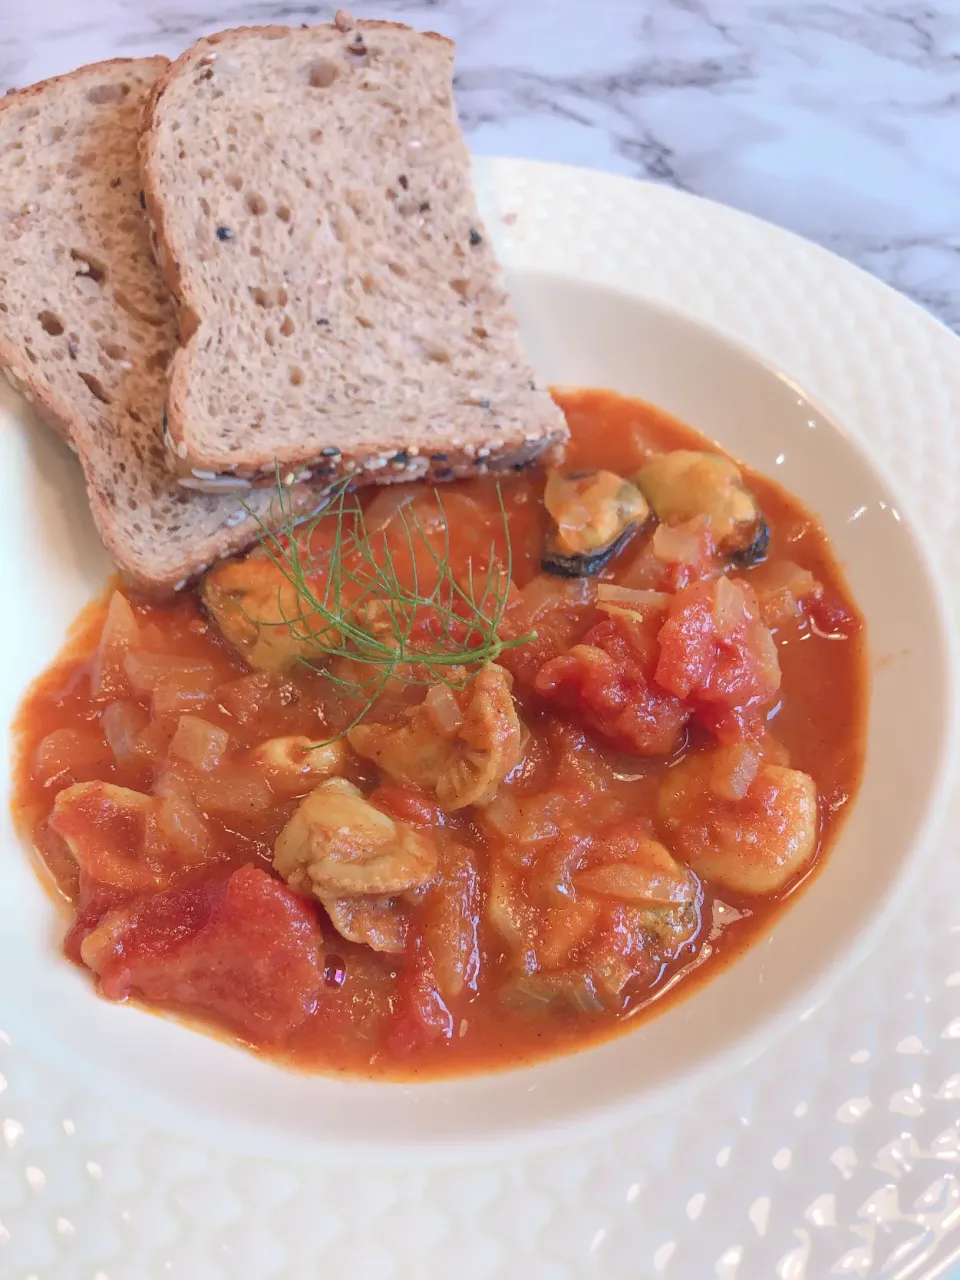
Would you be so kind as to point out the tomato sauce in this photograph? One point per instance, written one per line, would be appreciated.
(461, 994)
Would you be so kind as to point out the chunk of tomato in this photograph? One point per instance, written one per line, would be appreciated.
(557, 611)
(111, 832)
(831, 616)
(421, 1012)
(239, 945)
(408, 803)
(607, 685)
(94, 900)
(716, 654)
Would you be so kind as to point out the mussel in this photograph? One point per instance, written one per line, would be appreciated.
(684, 484)
(593, 514)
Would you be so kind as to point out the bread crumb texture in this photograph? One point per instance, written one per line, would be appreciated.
(311, 195)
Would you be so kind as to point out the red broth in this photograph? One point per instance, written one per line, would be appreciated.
(489, 970)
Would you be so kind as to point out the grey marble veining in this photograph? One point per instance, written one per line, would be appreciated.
(838, 120)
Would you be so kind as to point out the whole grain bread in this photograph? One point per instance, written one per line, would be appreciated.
(342, 307)
(87, 325)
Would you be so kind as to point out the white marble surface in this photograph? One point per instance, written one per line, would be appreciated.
(838, 120)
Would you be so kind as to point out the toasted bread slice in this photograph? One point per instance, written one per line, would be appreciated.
(87, 325)
(341, 304)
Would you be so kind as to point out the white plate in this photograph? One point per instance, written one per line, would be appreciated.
(838, 1147)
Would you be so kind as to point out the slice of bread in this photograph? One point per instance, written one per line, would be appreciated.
(341, 303)
(87, 325)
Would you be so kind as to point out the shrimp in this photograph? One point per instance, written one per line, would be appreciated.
(753, 836)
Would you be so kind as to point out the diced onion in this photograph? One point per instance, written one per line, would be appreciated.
(152, 742)
(644, 871)
(245, 696)
(625, 881)
(522, 822)
(449, 922)
(611, 973)
(564, 929)
(676, 545)
(386, 505)
(120, 634)
(148, 672)
(181, 825)
(631, 597)
(546, 593)
(443, 708)
(781, 589)
(728, 606)
(785, 575)
(123, 722)
(733, 770)
(199, 743)
(226, 791)
(78, 753)
(506, 910)
(537, 992)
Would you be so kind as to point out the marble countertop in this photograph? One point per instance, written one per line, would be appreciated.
(838, 120)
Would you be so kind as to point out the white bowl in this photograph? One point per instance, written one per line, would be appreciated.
(580, 334)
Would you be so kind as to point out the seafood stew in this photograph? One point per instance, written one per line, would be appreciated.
(455, 780)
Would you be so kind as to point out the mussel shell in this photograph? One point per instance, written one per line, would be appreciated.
(585, 564)
(754, 550)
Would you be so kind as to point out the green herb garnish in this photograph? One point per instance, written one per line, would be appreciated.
(355, 604)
